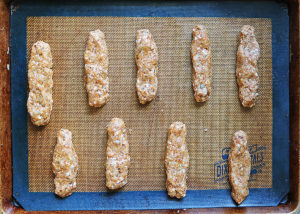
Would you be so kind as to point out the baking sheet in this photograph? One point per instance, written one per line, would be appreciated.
(35, 194)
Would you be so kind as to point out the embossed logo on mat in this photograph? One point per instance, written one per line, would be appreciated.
(257, 164)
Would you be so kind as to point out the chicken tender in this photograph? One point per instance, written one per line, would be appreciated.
(239, 164)
(117, 155)
(176, 160)
(96, 69)
(246, 66)
(201, 59)
(65, 164)
(146, 57)
(39, 102)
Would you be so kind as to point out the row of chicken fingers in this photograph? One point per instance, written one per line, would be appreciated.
(96, 78)
(65, 161)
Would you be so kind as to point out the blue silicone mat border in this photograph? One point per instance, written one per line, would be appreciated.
(278, 13)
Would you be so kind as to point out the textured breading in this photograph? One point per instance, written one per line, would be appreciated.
(65, 164)
(117, 154)
(146, 57)
(239, 164)
(96, 69)
(176, 160)
(39, 103)
(246, 67)
(201, 59)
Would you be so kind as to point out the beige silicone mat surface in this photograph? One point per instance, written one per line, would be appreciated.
(209, 126)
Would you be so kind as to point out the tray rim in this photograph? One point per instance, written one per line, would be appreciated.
(293, 93)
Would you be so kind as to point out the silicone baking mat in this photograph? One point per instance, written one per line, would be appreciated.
(209, 126)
